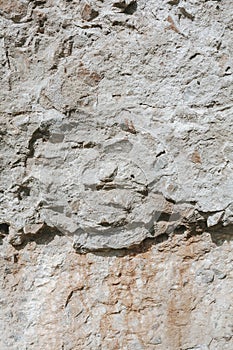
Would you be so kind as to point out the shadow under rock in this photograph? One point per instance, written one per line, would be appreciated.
(220, 234)
(143, 247)
(44, 236)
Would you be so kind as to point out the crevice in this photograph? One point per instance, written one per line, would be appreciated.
(119, 223)
(8, 59)
(106, 186)
(23, 191)
(124, 24)
(83, 144)
(144, 192)
(164, 217)
(160, 154)
(128, 9)
(180, 230)
(4, 231)
(41, 133)
(220, 233)
(186, 14)
(173, 2)
(134, 250)
(38, 2)
(194, 55)
(188, 227)
(89, 26)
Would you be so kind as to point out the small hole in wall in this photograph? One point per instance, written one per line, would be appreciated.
(162, 238)
(131, 8)
(180, 230)
(15, 258)
(198, 82)
(127, 9)
(23, 191)
(132, 176)
(4, 228)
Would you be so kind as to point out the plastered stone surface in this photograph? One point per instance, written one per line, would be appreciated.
(116, 189)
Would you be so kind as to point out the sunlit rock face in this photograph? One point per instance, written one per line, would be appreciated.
(116, 189)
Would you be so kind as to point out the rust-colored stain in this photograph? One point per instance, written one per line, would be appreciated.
(196, 158)
(179, 307)
(118, 298)
(172, 25)
(129, 126)
(89, 77)
(88, 13)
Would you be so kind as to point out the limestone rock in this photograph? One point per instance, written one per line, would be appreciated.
(116, 190)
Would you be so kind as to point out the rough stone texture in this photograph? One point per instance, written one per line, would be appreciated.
(116, 206)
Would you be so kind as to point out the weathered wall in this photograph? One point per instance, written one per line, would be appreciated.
(116, 190)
